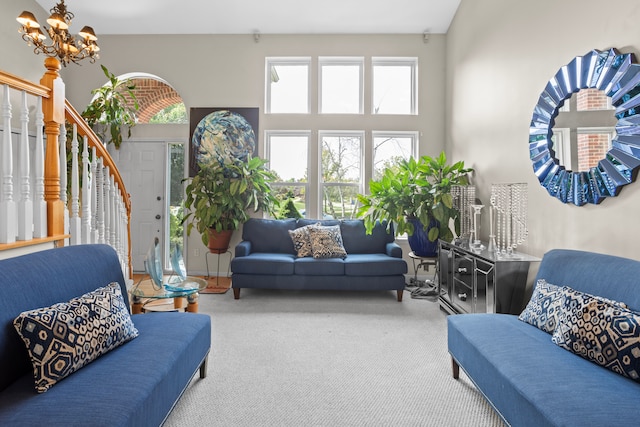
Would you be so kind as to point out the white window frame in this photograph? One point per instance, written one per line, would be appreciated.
(412, 62)
(413, 135)
(292, 133)
(341, 61)
(321, 184)
(285, 61)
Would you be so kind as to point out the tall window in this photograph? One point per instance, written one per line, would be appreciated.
(288, 154)
(341, 156)
(389, 148)
(395, 85)
(287, 84)
(341, 86)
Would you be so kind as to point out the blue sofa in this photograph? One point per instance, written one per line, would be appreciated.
(529, 380)
(267, 259)
(135, 384)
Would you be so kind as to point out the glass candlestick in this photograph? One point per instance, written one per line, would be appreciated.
(476, 244)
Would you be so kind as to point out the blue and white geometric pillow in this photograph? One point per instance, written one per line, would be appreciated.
(326, 242)
(600, 330)
(542, 309)
(67, 336)
(301, 242)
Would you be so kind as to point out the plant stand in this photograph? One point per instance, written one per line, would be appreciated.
(219, 253)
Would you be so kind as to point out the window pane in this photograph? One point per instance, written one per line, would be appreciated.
(393, 87)
(294, 193)
(339, 201)
(388, 150)
(288, 88)
(288, 157)
(176, 198)
(340, 85)
(341, 158)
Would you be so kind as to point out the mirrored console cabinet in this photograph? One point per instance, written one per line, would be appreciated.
(480, 281)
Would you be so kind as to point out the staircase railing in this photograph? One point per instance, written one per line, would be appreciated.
(43, 199)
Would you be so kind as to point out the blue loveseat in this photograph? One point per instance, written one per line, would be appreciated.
(135, 384)
(530, 380)
(266, 259)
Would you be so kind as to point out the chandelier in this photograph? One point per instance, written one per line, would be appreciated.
(63, 45)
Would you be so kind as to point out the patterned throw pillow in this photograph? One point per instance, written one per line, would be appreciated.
(601, 331)
(66, 336)
(326, 242)
(542, 309)
(301, 242)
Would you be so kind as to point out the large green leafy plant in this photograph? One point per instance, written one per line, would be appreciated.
(112, 109)
(415, 190)
(220, 196)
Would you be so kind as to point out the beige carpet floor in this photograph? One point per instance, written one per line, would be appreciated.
(307, 358)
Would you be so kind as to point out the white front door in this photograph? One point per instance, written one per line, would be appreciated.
(143, 169)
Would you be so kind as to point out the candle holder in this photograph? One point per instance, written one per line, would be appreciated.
(509, 202)
(474, 242)
(463, 197)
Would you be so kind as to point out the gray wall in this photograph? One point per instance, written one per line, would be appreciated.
(500, 55)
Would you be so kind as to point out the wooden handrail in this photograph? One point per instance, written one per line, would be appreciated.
(16, 82)
(83, 129)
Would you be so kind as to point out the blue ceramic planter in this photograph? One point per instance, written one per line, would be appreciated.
(419, 240)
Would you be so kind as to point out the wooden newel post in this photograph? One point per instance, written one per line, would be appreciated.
(53, 109)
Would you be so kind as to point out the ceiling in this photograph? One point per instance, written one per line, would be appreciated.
(260, 16)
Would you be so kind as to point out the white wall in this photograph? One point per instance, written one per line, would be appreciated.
(15, 56)
(500, 55)
(229, 71)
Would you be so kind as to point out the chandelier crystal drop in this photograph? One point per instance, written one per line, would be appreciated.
(66, 47)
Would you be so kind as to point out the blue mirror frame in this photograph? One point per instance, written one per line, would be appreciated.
(619, 78)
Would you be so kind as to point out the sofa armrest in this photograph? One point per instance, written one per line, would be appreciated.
(243, 248)
(394, 250)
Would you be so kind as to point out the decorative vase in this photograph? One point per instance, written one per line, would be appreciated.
(219, 241)
(419, 240)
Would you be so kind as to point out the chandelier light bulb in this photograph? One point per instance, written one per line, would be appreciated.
(63, 45)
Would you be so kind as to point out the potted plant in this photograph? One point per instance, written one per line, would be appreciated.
(220, 196)
(113, 108)
(415, 196)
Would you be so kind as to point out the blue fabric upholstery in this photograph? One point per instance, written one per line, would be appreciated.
(135, 384)
(373, 262)
(269, 235)
(530, 380)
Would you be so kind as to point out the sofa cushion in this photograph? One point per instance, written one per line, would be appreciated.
(373, 265)
(264, 263)
(319, 266)
(544, 306)
(357, 241)
(600, 331)
(326, 242)
(301, 241)
(66, 336)
(269, 235)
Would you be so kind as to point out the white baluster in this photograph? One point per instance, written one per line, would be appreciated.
(39, 204)
(112, 212)
(7, 205)
(107, 206)
(25, 205)
(100, 201)
(74, 216)
(94, 195)
(86, 194)
(63, 178)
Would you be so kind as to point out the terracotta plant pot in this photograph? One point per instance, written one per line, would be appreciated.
(219, 241)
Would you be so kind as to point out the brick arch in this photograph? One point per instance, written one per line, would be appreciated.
(153, 96)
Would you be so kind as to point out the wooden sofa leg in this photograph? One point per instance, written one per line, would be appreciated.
(400, 293)
(455, 368)
(203, 368)
(236, 293)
